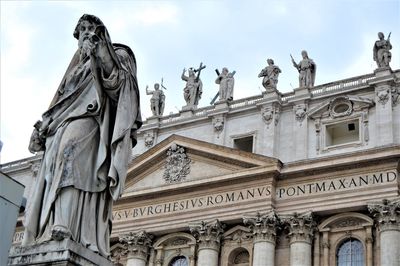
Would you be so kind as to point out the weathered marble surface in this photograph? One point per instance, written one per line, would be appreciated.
(270, 74)
(65, 252)
(382, 54)
(157, 101)
(307, 69)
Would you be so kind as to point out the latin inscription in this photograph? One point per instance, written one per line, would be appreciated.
(195, 203)
(330, 185)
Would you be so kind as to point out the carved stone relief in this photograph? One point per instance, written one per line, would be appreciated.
(149, 139)
(177, 164)
(218, 124)
(383, 96)
(300, 112)
(395, 95)
(340, 106)
(269, 114)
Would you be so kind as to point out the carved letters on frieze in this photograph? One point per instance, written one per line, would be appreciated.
(177, 164)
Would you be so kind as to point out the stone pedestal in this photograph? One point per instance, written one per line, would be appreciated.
(301, 232)
(263, 228)
(66, 252)
(387, 217)
(209, 238)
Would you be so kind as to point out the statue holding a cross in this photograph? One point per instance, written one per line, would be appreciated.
(194, 87)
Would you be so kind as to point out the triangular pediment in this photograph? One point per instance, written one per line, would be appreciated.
(180, 160)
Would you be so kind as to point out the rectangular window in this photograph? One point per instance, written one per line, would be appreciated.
(342, 133)
(244, 144)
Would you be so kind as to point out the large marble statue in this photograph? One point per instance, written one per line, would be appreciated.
(307, 69)
(226, 83)
(382, 54)
(270, 74)
(194, 87)
(87, 135)
(157, 101)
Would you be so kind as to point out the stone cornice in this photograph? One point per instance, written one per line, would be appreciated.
(386, 214)
(263, 226)
(208, 234)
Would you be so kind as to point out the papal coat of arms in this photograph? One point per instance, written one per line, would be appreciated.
(177, 164)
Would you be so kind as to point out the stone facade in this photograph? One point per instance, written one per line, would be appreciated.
(274, 179)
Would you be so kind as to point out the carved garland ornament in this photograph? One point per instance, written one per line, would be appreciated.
(177, 165)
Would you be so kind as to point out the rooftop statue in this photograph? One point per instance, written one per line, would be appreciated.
(157, 101)
(270, 74)
(382, 54)
(226, 83)
(307, 69)
(86, 135)
(194, 87)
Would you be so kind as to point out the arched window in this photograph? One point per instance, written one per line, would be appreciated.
(179, 261)
(350, 253)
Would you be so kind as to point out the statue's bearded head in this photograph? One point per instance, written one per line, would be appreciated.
(156, 86)
(270, 62)
(304, 54)
(85, 30)
(381, 35)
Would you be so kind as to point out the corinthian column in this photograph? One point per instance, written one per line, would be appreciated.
(208, 235)
(263, 228)
(137, 245)
(387, 217)
(301, 231)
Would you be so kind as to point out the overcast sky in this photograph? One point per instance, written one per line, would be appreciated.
(167, 36)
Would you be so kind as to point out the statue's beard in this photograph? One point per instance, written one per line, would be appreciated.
(85, 48)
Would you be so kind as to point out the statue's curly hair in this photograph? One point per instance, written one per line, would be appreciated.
(89, 18)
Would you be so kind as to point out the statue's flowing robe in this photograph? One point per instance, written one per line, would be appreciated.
(226, 84)
(90, 129)
(382, 49)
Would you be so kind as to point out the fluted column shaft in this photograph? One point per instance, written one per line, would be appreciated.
(387, 217)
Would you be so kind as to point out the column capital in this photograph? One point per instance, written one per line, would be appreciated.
(137, 244)
(263, 226)
(208, 234)
(301, 227)
(386, 214)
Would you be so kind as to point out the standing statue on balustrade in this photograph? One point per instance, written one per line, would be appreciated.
(226, 83)
(270, 74)
(307, 69)
(382, 54)
(194, 87)
(157, 101)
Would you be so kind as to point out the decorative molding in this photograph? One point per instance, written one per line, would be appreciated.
(386, 214)
(383, 95)
(263, 226)
(271, 113)
(340, 106)
(208, 234)
(238, 235)
(137, 244)
(301, 227)
(300, 112)
(149, 139)
(177, 164)
(218, 124)
(395, 96)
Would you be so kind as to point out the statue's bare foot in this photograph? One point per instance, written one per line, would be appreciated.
(60, 232)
